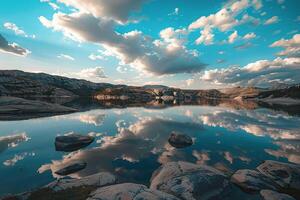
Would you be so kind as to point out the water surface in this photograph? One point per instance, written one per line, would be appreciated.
(132, 142)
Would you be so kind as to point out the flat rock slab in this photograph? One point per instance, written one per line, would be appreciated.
(70, 169)
(284, 174)
(72, 142)
(129, 191)
(272, 195)
(180, 140)
(190, 181)
(97, 180)
(251, 180)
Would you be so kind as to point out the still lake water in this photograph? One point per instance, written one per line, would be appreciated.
(132, 142)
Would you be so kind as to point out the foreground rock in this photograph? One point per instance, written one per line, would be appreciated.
(129, 191)
(190, 181)
(12, 108)
(72, 142)
(285, 175)
(96, 180)
(272, 195)
(180, 140)
(71, 169)
(251, 180)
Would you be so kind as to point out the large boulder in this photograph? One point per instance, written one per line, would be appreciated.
(97, 180)
(178, 140)
(251, 180)
(285, 175)
(72, 142)
(272, 195)
(190, 181)
(129, 191)
(70, 169)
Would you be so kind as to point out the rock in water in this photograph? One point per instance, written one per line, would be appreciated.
(190, 181)
(97, 180)
(272, 195)
(71, 169)
(285, 175)
(251, 180)
(129, 191)
(180, 140)
(72, 142)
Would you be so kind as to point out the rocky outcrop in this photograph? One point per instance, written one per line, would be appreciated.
(72, 142)
(272, 195)
(129, 191)
(95, 180)
(285, 175)
(178, 140)
(190, 181)
(70, 169)
(251, 180)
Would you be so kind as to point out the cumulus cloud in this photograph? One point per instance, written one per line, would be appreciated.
(166, 55)
(64, 56)
(233, 37)
(249, 36)
(92, 73)
(12, 48)
(224, 20)
(271, 20)
(291, 46)
(117, 10)
(13, 27)
(262, 73)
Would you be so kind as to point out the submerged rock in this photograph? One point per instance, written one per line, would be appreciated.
(251, 180)
(72, 142)
(180, 140)
(97, 180)
(129, 191)
(285, 175)
(272, 195)
(190, 181)
(71, 169)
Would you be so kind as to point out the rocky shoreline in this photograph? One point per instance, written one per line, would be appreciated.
(271, 180)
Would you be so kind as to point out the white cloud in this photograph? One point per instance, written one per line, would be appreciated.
(249, 36)
(96, 73)
(233, 37)
(280, 1)
(12, 48)
(261, 73)
(224, 20)
(64, 56)
(122, 69)
(167, 55)
(96, 57)
(53, 6)
(271, 20)
(291, 46)
(13, 27)
(175, 12)
(118, 10)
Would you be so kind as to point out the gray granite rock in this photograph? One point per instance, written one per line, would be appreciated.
(190, 181)
(72, 142)
(272, 195)
(129, 191)
(97, 180)
(284, 174)
(178, 140)
(251, 180)
(70, 169)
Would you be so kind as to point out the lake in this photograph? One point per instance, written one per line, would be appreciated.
(133, 142)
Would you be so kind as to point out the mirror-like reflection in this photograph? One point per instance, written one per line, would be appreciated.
(133, 142)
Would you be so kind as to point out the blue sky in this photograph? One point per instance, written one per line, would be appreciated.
(164, 44)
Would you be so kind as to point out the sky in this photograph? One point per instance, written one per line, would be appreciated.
(179, 43)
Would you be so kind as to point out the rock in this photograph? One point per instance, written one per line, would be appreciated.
(272, 195)
(285, 175)
(72, 142)
(129, 191)
(97, 180)
(180, 140)
(71, 169)
(190, 181)
(251, 180)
